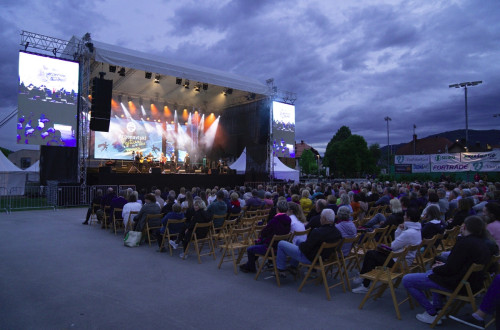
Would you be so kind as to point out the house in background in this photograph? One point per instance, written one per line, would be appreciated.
(299, 149)
(24, 158)
(426, 146)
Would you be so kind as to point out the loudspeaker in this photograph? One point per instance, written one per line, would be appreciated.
(156, 170)
(58, 164)
(102, 92)
(105, 169)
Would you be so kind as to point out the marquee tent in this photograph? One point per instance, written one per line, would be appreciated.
(33, 172)
(12, 178)
(281, 171)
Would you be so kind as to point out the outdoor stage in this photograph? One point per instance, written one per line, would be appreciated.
(172, 181)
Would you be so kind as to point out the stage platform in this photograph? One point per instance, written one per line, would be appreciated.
(172, 181)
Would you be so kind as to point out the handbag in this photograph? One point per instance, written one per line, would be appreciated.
(132, 239)
(384, 249)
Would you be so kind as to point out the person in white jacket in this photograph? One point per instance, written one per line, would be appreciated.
(407, 234)
(132, 205)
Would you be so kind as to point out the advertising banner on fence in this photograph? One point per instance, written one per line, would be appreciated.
(485, 166)
(421, 168)
(411, 159)
(402, 168)
(490, 156)
(448, 159)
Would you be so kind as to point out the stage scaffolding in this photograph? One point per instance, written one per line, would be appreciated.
(77, 50)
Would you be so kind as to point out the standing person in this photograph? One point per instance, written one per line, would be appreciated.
(279, 225)
(96, 200)
(470, 248)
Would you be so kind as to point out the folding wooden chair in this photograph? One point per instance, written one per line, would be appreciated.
(491, 275)
(147, 228)
(299, 233)
(196, 241)
(167, 235)
(456, 299)
(270, 255)
(220, 234)
(105, 215)
(117, 219)
(130, 221)
(351, 260)
(384, 277)
(93, 214)
(218, 220)
(449, 239)
(237, 240)
(387, 236)
(324, 261)
(428, 254)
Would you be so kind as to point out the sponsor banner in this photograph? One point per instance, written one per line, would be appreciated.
(456, 167)
(470, 157)
(485, 167)
(411, 159)
(421, 168)
(402, 168)
(445, 159)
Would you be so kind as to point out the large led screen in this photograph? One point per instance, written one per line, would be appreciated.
(128, 136)
(283, 130)
(47, 101)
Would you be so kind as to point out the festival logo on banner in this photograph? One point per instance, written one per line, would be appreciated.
(445, 158)
(492, 156)
(421, 168)
(478, 166)
(486, 166)
(412, 159)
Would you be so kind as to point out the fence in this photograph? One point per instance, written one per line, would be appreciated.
(52, 196)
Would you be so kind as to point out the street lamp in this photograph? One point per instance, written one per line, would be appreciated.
(388, 119)
(317, 163)
(465, 85)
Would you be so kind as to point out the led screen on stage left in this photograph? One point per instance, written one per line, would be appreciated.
(283, 130)
(126, 136)
(47, 101)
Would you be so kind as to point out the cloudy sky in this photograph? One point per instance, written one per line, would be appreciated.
(350, 62)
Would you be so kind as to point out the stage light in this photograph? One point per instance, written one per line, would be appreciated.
(119, 98)
(197, 87)
(129, 99)
(148, 75)
(186, 83)
(112, 68)
(157, 79)
(122, 72)
(227, 91)
(205, 87)
(122, 116)
(178, 81)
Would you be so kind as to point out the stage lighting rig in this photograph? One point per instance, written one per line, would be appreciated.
(178, 81)
(157, 79)
(186, 83)
(227, 91)
(122, 72)
(26, 45)
(205, 86)
(148, 75)
(197, 87)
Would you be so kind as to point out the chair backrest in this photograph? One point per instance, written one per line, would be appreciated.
(240, 235)
(299, 233)
(201, 225)
(328, 252)
(251, 213)
(175, 221)
(150, 217)
(232, 216)
(218, 220)
(277, 238)
(400, 264)
(119, 211)
(248, 221)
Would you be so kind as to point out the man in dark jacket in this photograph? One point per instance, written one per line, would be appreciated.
(470, 248)
(279, 225)
(150, 207)
(307, 250)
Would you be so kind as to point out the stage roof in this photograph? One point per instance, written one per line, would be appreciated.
(135, 84)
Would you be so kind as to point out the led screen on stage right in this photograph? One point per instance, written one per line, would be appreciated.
(283, 130)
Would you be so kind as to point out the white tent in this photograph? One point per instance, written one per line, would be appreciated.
(33, 172)
(281, 171)
(12, 178)
(240, 164)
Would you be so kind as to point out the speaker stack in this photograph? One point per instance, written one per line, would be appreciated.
(102, 91)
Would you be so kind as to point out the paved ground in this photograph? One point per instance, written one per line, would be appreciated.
(58, 274)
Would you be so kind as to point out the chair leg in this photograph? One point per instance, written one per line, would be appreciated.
(368, 294)
(276, 273)
(394, 300)
(222, 257)
(325, 283)
(305, 278)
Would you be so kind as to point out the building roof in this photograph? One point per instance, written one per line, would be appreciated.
(428, 145)
(300, 147)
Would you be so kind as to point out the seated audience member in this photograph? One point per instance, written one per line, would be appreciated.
(218, 207)
(470, 248)
(159, 200)
(314, 221)
(106, 200)
(188, 202)
(268, 200)
(200, 215)
(254, 202)
(444, 205)
(297, 221)
(132, 205)
(346, 201)
(167, 207)
(433, 200)
(150, 207)
(182, 195)
(432, 223)
(395, 218)
(346, 227)
(235, 204)
(407, 234)
(385, 199)
(96, 200)
(490, 303)
(491, 211)
(118, 202)
(306, 251)
(332, 203)
(305, 202)
(295, 199)
(462, 211)
(278, 225)
(175, 214)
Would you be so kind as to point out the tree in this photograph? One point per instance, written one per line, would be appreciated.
(307, 162)
(332, 148)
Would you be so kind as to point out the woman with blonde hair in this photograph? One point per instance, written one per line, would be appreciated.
(305, 201)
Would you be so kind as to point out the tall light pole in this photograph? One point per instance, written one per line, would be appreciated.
(388, 119)
(465, 85)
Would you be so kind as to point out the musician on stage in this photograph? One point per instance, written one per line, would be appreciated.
(163, 161)
(173, 162)
(187, 160)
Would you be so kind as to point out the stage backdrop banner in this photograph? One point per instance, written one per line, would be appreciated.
(412, 159)
(471, 157)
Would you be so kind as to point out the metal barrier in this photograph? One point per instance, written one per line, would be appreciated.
(4, 199)
(30, 197)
